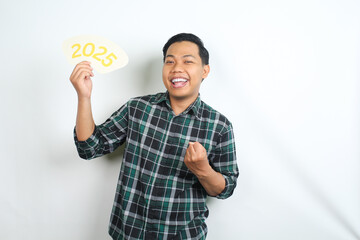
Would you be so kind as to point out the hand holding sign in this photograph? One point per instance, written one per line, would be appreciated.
(105, 56)
(81, 79)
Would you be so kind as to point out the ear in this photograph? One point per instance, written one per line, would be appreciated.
(206, 71)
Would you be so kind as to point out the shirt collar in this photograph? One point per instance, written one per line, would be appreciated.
(194, 107)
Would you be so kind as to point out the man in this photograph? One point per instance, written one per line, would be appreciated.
(178, 149)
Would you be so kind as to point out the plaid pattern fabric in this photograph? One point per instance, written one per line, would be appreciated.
(157, 197)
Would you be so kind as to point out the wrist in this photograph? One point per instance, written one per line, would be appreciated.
(84, 99)
(206, 173)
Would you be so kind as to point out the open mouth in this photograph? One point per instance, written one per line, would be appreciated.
(179, 82)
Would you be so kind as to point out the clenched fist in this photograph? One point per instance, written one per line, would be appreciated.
(197, 162)
(196, 159)
(81, 79)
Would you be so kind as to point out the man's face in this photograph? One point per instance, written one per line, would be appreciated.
(183, 71)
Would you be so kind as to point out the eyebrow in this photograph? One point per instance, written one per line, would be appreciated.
(185, 56)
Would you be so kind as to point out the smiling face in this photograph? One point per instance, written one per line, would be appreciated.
(183, 71)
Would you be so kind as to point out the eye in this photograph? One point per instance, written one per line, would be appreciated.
(189, 61)
(169, 62)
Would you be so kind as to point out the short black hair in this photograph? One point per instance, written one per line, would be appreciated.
(203, 53)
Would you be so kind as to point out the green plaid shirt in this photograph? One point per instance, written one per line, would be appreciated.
(157, 196)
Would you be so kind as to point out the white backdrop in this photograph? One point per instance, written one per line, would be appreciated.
(286, 73)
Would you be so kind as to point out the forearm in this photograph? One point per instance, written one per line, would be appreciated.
(84, 121)
(213, 182)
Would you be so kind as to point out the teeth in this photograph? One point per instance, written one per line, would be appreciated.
(178, 80)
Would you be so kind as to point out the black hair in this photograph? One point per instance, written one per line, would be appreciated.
(203, 53)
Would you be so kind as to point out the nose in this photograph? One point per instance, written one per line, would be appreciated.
(177, 67)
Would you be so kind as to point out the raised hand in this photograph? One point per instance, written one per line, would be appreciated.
(81, 79)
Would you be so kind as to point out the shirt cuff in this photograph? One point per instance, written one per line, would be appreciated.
(86, 148)
(229, 187)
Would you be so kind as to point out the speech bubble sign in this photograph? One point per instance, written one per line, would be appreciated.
(105, 56)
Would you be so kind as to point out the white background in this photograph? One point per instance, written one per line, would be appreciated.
(286, 73)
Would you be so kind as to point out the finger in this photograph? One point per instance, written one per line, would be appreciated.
(198, 147)
(75, 75)
(84, 76)
(81, 65)
(192, 149)
(81, 71)
(85, 62)
(188, 151)
(200, 150)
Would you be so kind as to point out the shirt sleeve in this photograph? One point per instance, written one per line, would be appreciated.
(106, 137)
(224, 162)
